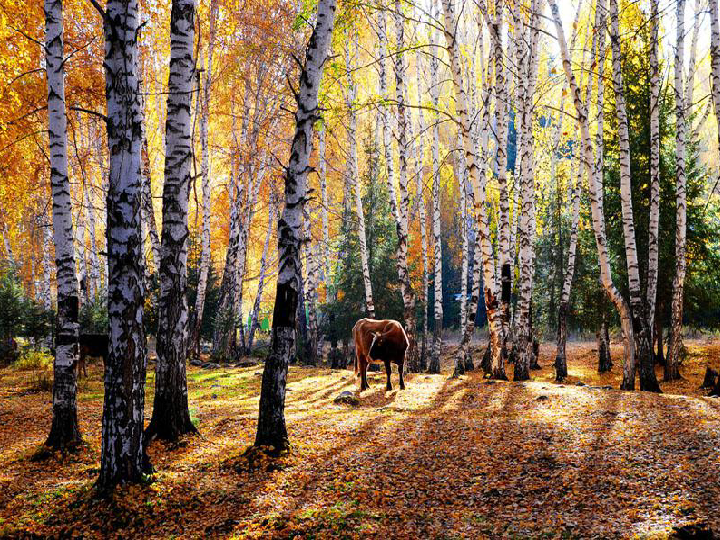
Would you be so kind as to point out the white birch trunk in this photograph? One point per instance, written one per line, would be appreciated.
(123, 449)
(171, 414)
(654, 226)
(255, 317)
(675, 344)
(65, 431)
(595, 184)
(206, 194)
(353, 175)
(403, 203)
(637, 305)
(477, 177)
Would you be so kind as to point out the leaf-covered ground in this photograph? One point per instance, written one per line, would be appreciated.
(445, 458)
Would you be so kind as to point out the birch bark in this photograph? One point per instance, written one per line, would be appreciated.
(171, 414)
(65, 431)
(272, 431)
(595, 184)
(206, 193)
(123, 455)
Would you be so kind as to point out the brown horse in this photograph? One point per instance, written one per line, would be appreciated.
(379, 341)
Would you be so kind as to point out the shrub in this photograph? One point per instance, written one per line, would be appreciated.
(33, 360)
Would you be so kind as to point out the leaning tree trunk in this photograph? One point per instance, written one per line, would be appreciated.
(595, 183)
(123, 449)
(197, 319)
(353, 176)
(171, 414)
(406, 289)
(65, 431)
(272, 431)
(564, 309)
(477, 178)
(637, 305)
(672, 365)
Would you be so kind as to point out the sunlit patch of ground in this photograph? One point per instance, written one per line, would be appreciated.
(452, 458)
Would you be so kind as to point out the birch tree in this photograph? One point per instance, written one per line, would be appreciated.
(560, 354)
(272, 431)
(403, 202)
(595, 187)
(171, 414)
(637, 305)
(654, 226)
(353, 176)
(123, 450)
(206, 194)
(527, 46)
(255, 317)
(434, 366)
(492, 306)
(65, 431)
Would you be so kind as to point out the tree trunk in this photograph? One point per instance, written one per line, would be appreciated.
(254, 320)
(171, 414)
(146, 207)
(406, 289)
(123, 449)
(603, 345)
(272, 431)
(527, 45)
(65, 431)
(637, 305)
(501, 122)
(715, 68)
(353, 176)
(434, 366)
(477, 177)
(197, 319)
(595, 184)
(654, 227)
(322, 177)
(672, 366)
(564, 309)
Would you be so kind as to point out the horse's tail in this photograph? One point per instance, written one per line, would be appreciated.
(354, 331)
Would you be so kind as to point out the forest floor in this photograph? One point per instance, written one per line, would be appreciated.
(463, 458)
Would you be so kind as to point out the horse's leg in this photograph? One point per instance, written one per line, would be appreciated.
(388, 370)
(400, 371)
(363, 374)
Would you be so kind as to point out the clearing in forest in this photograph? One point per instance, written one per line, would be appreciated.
(465, 458)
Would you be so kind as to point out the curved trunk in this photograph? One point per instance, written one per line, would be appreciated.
(637, 305)
(271, 431)
(595, 183)
(65, 431)
(477, 178)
